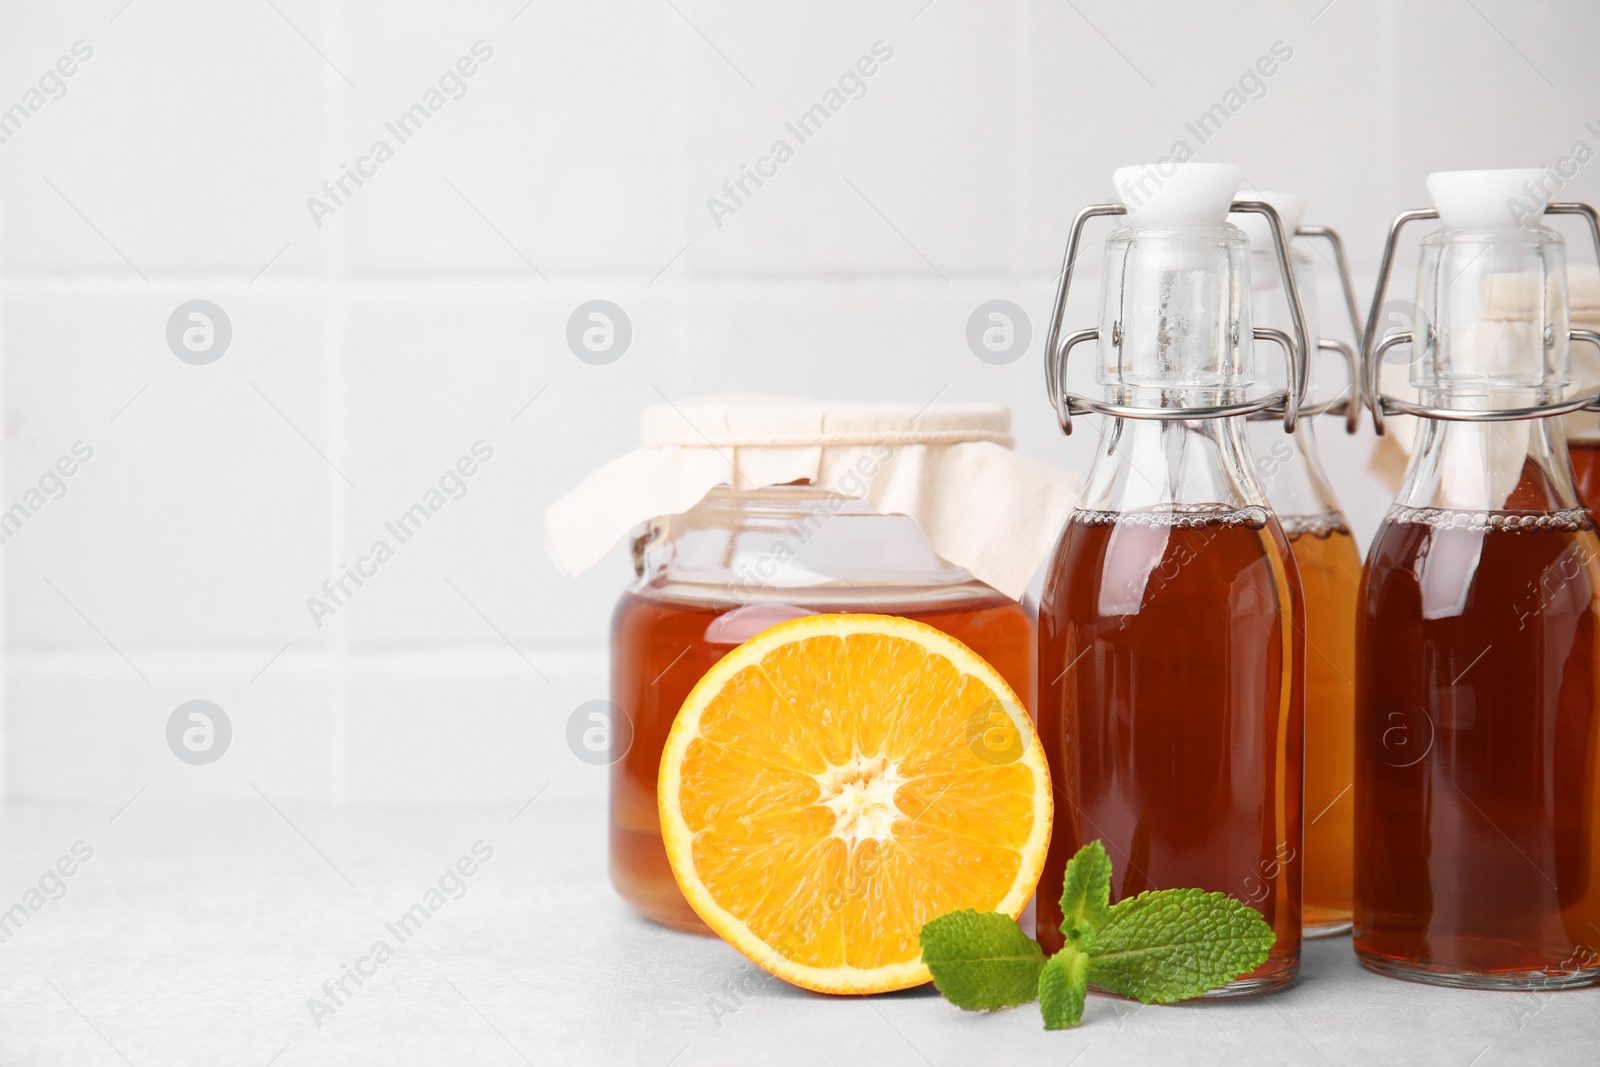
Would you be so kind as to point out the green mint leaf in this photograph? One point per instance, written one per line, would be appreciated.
(1086, 892)
(981, 960)
(1062, 986)
(1173, 944)
(1159, 947)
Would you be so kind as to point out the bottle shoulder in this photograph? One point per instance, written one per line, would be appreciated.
(1438, 564)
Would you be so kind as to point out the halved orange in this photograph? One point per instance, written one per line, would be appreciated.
(837, 781)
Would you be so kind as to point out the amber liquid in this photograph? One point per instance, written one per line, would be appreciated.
(660, 647)
(1477, 793)
(1171, 712)
(1330, 576)
(1586, 470)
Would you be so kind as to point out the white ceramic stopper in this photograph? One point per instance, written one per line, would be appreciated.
(1480, 199)
(1177, 194)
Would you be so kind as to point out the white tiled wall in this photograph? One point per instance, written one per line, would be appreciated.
(427, 313)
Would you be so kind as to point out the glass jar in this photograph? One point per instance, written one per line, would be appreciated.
(737, 562)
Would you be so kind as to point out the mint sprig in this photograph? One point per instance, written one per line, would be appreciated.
(1159, 947)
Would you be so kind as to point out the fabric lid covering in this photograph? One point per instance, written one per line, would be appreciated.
(949, 467)
(1583, 302)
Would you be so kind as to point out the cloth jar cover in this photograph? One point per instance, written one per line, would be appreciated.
(949, 467)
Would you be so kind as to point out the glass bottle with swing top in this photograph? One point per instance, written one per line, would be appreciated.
(1478, 644)
(1170, 622)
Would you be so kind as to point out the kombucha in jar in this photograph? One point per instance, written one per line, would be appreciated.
(668, 631)
(1171, 629)
(1478, 710)
(745, 512)
(1325, 555)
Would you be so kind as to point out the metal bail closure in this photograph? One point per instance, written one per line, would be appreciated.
(1284, 402)
(1374, 349)
(1347, 402)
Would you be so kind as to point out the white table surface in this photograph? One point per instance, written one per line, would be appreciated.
(197, 936)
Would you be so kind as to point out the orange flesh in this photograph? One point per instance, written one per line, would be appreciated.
(840, 790)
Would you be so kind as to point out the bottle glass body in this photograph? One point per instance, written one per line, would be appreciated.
(1478, 742)
(1170, 698)
(737, 563)
(1329, 564)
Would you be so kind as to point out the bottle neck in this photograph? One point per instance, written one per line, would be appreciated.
(1150, 464)
(1290, 471)
(1490, 466)
(1175, 316)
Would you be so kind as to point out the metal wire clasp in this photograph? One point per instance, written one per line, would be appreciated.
(1373, 350)
(1348, 402)
(1058, 348)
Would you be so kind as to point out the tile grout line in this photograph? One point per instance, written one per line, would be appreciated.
(5, 583)
(253, 654)
(48, 281)
(335, 270)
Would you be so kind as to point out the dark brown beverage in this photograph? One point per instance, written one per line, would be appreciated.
(1477, 799)
(1170, 707)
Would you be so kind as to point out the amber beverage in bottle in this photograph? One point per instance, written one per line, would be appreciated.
(1171, 628)
(1502, 714)
(1329, 565)
(1167, 641)
(1478, 727)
